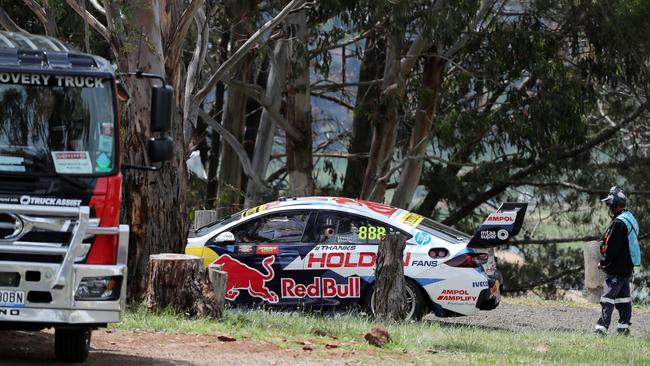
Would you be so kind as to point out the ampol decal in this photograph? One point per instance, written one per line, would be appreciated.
(456, 295)
(244, 277)
(321, 287)
(501, 218)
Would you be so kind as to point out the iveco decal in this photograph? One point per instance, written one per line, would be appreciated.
(49, 201)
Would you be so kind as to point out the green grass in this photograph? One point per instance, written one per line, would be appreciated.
(421, 342)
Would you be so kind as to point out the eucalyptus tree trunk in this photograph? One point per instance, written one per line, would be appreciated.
(266, 129)
(299, 150)
(234, 118)
(365, 111)
(154, 203)
(384, 130)
(432, 78)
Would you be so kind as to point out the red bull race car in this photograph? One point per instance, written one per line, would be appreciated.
(321, 252)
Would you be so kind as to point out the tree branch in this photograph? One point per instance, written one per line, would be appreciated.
(94, 22)
(255, 92)
(175, 47)
(98, 6)
(333, 99)
(8, 24)
(545, 281)
(573, 186)
(499, 187)
(243, 50)
(236, 146)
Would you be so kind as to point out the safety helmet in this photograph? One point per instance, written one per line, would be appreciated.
(616, 198)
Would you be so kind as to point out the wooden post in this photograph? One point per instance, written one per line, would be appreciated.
(389, 295)
(180, 282)
(594, 278)
(219, 280)
(204, 217)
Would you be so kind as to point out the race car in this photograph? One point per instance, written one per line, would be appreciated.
(321, 252)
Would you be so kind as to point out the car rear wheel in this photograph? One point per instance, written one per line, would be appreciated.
(416, 304)
(72, 345)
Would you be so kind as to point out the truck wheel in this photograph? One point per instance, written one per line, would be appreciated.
(416, 303)
(72, 345)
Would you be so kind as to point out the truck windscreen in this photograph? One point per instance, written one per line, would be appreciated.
(51, 124)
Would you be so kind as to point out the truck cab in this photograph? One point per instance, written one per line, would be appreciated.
(63, 252)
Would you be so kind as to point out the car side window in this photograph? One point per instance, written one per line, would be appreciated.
(377, 230)
(277, 228)
(338, 228)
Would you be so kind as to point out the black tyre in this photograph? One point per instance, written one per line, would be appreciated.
(72, 345)
(415, 298)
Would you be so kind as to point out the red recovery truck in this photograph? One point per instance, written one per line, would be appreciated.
(63, 253)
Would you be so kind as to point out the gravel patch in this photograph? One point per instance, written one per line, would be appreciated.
(516, 317)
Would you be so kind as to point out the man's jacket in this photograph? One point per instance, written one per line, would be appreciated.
(620, 249)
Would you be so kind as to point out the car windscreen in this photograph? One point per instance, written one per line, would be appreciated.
(52, 124)
(206, 229)
(439, 229)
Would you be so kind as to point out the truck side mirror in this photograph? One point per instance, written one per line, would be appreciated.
(162, 100)
(160, 149)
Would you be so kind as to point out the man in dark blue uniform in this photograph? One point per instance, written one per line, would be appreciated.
(619, 254)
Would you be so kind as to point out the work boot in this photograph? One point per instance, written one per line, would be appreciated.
(600, 330)
(623, 330)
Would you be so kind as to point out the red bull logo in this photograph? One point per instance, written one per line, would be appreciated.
(321, 288)
(244, 277)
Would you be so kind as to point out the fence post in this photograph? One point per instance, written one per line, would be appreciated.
(203, 217)
(594, 278)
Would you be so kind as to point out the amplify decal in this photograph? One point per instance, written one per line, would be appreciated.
(456, 295)
(325, 260)
(243, 277)
(321, 288)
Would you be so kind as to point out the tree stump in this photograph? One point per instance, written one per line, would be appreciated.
(594, 278)
(219, 280)
(180, 282)
(389, 295)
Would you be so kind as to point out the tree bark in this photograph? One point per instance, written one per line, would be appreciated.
(266, 129)
(433, 74)
(390, 295)
(180, 282)
(299, 151)
(365, 111)
(384, 132)
(154, 204)
(230, 183)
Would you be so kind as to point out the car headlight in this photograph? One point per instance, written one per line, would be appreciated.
(99, 288)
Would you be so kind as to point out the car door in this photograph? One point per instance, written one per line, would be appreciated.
(334, 266)
(262, 247)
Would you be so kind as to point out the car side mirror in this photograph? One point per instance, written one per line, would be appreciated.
(160, 149)
(162, 101)
(225, 237)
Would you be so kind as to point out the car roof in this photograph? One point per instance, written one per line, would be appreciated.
(34, 52)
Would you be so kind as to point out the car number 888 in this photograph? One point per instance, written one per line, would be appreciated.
(371, 232)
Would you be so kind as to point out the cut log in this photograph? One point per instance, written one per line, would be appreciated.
(180, 282)
(389, 294)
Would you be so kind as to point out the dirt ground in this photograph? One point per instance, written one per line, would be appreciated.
(116, 347)
(113, 347)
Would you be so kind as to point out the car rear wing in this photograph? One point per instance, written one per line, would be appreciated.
(500, 226)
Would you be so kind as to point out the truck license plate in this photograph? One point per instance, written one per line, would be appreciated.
(12, 298)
